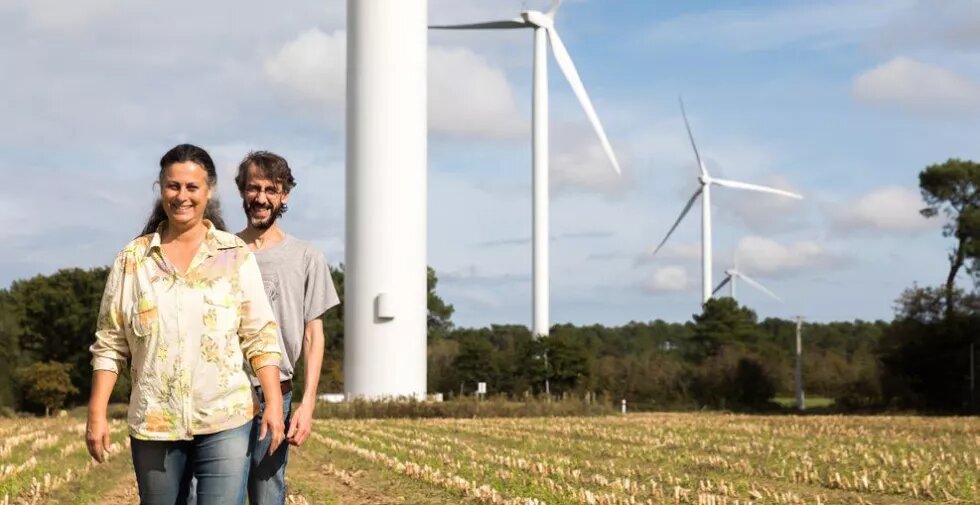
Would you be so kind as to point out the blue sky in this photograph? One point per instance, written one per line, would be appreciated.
(843, 101)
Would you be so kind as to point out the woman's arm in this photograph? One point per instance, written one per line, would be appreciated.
(109, 354)
(272, 417)
(97, 428)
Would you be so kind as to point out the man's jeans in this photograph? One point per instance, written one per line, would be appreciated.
(267, 475)
(219, 461)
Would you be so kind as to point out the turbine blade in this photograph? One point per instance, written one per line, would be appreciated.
(755, 187)
(690, 135)
(687, 208)
(568, 68)
(728, 278)
(510, 23)
(760, 287)
(555, 5)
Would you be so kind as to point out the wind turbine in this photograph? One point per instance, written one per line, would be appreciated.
(733, 273)
(704, 191)
(543, 24)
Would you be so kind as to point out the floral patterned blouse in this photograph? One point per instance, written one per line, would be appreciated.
(187, 336)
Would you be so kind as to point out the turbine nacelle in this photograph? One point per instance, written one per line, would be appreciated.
(539, 19)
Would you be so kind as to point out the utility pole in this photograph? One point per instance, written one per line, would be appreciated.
(799, 363)
(547, 374)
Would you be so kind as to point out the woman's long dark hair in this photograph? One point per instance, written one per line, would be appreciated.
(182, 154)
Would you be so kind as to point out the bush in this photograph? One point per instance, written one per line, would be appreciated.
(47, 384)
(734, 379)
(468, 407)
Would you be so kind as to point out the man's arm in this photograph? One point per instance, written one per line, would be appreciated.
(301, 422)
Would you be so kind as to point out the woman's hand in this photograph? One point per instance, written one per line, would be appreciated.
(97, 436)
(273, 425)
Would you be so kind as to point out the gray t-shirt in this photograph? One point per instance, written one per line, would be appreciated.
(300, 289)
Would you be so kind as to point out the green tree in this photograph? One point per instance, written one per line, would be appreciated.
(47, 384)
(953, 189)
(441, 374)
(10, 354)
(925, 352)
(734, 377)
(722, 322)
(475, 363)
(440, 313)
(57, 315)
(332, 369)
(569, 362)
(754, 385)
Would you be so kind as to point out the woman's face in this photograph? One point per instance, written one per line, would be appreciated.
(184, 192)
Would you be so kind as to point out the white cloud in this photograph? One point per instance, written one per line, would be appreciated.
(671, 252)
(312, 67)
(670, 279)
(468, 97)
(816, 24)
(887, 209)
(689, 251)
(768, 257)
(584, 166)
(918, 87)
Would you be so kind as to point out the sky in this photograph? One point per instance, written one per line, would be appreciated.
(843, 101)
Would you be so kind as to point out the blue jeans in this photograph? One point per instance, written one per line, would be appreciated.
(267, 475)
(218, 461)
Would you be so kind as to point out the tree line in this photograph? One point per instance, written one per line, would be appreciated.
(725, 357)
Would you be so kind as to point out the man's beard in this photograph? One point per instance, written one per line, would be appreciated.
(261, 224)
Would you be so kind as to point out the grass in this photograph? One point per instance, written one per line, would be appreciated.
(41, 456)
(682, 458)
(809, 402)
(674, 458)
(92, 490)
(328, 476)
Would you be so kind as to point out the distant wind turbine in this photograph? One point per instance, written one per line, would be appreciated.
(732, 274)
(543, 24)
(704, 191)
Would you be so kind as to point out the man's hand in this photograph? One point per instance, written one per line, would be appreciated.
(97, 437)
(300, 424)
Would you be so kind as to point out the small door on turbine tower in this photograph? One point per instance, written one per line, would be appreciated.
(383, 309)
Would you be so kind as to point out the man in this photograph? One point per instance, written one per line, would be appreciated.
(300, 290)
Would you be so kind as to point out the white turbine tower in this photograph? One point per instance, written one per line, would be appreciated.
(385, 291)
(543, 24)
(732, 274)
(704, 191)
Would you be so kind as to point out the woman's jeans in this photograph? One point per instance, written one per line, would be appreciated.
(219, 461)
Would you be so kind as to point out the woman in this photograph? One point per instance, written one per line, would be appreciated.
(184, 303)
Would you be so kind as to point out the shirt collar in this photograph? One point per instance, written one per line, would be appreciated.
(214, 240)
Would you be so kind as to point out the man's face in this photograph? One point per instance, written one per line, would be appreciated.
(262, 199)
